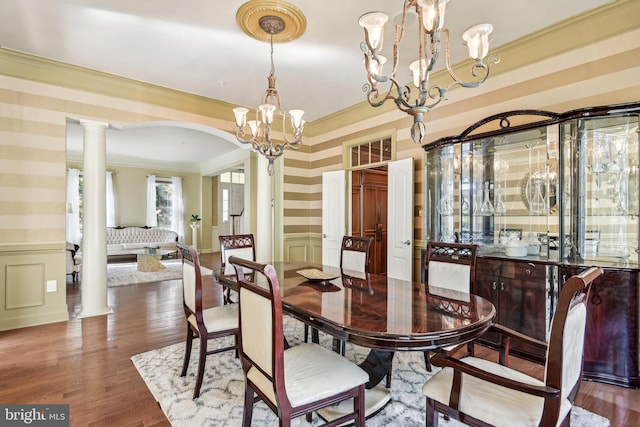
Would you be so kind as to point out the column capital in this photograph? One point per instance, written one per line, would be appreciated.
(93, 123)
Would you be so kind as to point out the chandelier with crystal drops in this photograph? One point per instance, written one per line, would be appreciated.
(260, 132)
(430, 32)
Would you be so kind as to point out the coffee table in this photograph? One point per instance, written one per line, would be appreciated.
(149, 261)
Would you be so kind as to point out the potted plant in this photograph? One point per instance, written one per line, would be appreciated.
(195, 219)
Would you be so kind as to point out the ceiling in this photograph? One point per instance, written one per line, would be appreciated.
(196, 46)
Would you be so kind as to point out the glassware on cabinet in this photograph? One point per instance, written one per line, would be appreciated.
(445, 205)
(486, 209)
(537, 204)
(499, 207)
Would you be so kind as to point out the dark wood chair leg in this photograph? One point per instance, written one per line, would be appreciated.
(427, 361)
(247, 414)
(201, 363)
(432, 416)
(187, 351)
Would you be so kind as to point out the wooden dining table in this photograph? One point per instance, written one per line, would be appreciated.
(377, 311)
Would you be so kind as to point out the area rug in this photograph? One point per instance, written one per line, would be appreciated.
(221, 397)
(122, 274)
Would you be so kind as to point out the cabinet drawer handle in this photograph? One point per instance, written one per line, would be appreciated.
(527, 271)
(494, 286)
(501, 286)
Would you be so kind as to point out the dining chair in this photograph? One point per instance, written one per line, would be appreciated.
(241, 245)
(480, 392)
(206, 324)
(451, 267)
(295, 381)
(355, 257)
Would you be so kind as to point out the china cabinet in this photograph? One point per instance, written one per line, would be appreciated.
(545, 195)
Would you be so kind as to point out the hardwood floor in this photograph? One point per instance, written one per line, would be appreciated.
(86, 363)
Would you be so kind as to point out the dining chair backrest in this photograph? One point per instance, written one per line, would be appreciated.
(355, 253)
(191, 282)
(240, 245)
(261, 341)
(451, 266)
(563, 369)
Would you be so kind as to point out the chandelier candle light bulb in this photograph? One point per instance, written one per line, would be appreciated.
(477, 39)
(431, 15)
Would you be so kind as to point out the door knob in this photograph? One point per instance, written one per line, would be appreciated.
(406, 242)
(324, 236)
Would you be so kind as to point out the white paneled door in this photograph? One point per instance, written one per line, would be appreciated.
(333, 216)
(400, 220)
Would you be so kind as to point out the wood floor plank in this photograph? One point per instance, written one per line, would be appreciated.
(86, 363)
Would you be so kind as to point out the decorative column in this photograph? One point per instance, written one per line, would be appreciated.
(194, 234)
(94, 233)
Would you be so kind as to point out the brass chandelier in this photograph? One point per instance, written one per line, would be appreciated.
(431, 29)
(259, 134)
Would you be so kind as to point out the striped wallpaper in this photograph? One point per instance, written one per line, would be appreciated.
(589, 60)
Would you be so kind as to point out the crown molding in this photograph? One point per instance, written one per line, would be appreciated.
(47, 71)
(582, 30)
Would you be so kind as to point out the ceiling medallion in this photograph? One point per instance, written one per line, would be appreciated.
(271, 20)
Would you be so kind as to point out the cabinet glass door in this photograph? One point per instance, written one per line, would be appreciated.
(604, 153)
(494, 190)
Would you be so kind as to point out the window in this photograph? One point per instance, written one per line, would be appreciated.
(164, 202)
(225, 204)
(371, 153)
(232, 177)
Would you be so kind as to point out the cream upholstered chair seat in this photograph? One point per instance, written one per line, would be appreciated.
(482, 392)
(491, 403)
(220, 318)
(312, 372)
